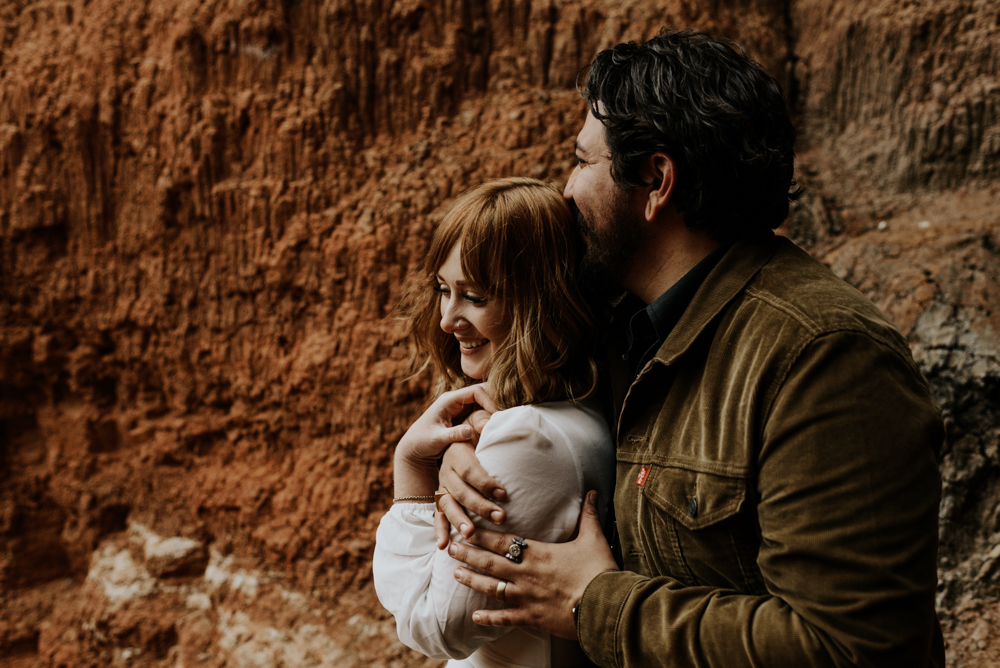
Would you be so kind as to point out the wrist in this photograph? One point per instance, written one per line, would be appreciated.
(416, 451)
(408, 458)
(414, 478)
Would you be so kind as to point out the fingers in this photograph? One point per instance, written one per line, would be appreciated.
(469, 498)
(459, 401)
(473, 501)
(522, 616)
(463, 464)
(462, 432)
(479, 419)
(440, 436)
(485, 585)
(494, 541)
(484, 561)
(454, 515)
(590, 534)
(589, 521)
(468, 481)
(505, 617)
(544, 588)
(483, 398)
(442, 530)
(432, 433)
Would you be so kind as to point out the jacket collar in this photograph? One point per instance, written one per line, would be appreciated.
(736, 268)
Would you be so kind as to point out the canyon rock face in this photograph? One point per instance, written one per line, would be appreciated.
(208, 210)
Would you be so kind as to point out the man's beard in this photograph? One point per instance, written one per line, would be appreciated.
(610, 249)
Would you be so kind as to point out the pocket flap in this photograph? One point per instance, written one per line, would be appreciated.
(694, 498)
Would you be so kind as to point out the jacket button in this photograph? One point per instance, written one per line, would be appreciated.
(693, 507)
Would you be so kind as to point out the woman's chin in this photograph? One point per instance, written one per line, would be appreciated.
(476, 363)
(475, 371)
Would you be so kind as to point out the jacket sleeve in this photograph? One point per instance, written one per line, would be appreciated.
(847, 501)
(415, 581)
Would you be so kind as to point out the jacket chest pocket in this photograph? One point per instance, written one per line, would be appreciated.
(698, 528)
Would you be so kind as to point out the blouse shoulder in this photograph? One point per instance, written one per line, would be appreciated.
(561, 422)
(566, 444)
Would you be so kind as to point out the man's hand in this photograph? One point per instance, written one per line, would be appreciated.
(548, 583)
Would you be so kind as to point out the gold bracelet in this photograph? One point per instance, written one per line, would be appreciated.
(427, 499)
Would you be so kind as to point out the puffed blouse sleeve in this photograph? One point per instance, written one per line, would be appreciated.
(535, 462)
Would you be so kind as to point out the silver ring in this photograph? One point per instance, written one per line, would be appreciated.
(516, 549)
(501, 588)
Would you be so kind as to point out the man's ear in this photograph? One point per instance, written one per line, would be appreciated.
(663, 175)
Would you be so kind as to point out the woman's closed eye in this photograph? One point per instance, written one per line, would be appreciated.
(470, 297)
(473, 297)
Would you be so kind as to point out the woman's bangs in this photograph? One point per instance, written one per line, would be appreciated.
(448, 234)
(480, 248)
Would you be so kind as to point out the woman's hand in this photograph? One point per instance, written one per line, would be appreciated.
(470, 488)
(422, 444)
(436, 429)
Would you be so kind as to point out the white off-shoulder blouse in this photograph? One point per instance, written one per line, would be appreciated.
(547, 457)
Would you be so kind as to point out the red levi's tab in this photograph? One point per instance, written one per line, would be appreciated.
(643, 474)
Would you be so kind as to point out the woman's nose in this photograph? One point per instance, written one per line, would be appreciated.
(451, 318)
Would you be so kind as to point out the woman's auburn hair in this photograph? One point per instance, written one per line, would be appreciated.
(520, 245)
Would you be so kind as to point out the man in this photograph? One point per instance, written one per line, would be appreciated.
(777, 485)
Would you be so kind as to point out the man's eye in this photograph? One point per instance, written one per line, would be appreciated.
(577, 161)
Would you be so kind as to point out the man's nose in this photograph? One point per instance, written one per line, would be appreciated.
(568, 190)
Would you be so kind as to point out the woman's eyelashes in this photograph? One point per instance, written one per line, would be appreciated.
(470, 297)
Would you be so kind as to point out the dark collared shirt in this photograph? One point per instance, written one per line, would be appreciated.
(649, 327)
(646, 330)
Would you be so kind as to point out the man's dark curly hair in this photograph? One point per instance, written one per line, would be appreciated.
(715, 112)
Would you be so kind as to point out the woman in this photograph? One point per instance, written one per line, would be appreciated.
(498, 303)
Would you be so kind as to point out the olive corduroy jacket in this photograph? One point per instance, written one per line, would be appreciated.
(777, 483)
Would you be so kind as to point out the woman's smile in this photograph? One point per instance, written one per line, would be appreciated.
(471, 347)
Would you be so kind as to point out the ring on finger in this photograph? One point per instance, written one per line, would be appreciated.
(437, 498)
(501, 591)
(516, 549)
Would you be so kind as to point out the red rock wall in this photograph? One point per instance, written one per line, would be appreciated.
(207, 210)
(899, 105)
(904, 93)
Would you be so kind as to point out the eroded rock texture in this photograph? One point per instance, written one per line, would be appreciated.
(207, 212)
(907, 93)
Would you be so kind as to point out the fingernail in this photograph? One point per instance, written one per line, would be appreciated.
(464, 529)
(477, 618)
(495, 516)
(592, 497)
(499, 494)
(466, 431)
(452, 550)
